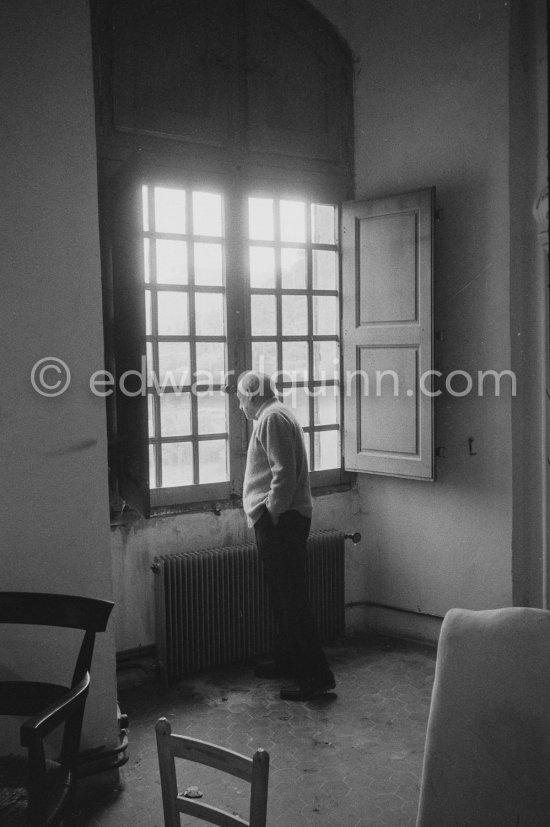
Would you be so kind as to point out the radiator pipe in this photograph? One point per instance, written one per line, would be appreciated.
(355, 538)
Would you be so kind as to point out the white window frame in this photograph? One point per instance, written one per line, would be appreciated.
(238, 333)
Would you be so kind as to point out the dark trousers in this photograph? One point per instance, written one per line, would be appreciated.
(282, 550)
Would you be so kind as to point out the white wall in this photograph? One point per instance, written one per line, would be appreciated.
(55, 518)
(431, 108)
(529, 300)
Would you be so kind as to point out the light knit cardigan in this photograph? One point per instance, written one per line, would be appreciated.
(276, 473)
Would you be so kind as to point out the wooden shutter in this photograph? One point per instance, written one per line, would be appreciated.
(298, 83)
(173, 67)
(132, 447)
(387, 249)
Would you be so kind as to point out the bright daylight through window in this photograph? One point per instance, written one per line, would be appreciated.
(288, 295)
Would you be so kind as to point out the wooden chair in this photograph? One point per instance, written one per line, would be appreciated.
(34, 790)
(255, 770)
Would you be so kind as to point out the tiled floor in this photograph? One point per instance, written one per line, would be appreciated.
(349, 759)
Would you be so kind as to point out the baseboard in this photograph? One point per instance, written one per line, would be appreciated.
(136, 655)
(135, 667)
(97, 788)
(385, 620)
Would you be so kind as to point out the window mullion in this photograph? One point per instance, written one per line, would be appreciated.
(151, 225)
(278, 284)
(310, 376)
(192, 329)
(238, 324)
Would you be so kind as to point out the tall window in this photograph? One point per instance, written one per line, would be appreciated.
(290, 303)
(185, 311)
(295, 315)
(225, 147)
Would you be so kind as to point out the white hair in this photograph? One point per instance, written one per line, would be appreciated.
(254, 383)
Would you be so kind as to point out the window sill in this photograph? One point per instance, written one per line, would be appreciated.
(129, 516)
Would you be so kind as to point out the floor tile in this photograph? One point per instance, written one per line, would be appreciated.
(351, 758)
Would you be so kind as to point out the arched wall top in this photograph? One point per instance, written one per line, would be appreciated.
(234, 83)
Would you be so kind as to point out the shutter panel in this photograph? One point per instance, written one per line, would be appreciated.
(173, 68)
(132, 447)
(298, 81)
(387, 250)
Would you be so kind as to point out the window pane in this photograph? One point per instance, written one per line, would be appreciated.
(211, 360)
(150, 362)
(151, 414)
(152, 467)
(171, 261)
(294, 315)
(169, 210)
(325, 272)
(264, 357)
(325, 315)
(208, 264)
(175, 414)
(326, 405)
(326, 360)
(293, 268)
(174, 364)
(262, 267)
(177, 464)
(172, 314)
(209, 315)
(146, 261)
(297, 399)
(295, 360)
(207, 214)
(293, 221)
(260, 219)
(213, 461)
(327, 450)
(263, 315)
(323, 223)
(212, 412)
(148, 320)
(145, 208)
(308, 451)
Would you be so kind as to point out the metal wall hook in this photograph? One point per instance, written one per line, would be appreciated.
(355, 537)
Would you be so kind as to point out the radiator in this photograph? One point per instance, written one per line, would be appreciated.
(212, 606)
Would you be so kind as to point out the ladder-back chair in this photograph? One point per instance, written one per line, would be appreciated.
(254, 770)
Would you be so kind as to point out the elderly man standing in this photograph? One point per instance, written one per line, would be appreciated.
(277, 502)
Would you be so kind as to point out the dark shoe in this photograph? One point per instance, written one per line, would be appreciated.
(269, 669)
(307, 689)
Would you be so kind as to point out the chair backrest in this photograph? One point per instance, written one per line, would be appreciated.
(254, 770)
(50, 705)
(62, 610)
